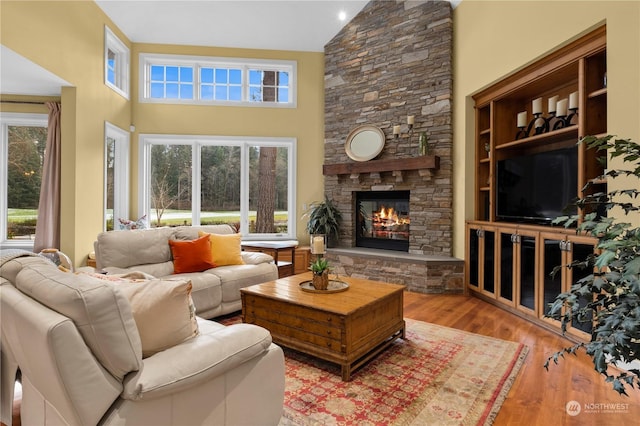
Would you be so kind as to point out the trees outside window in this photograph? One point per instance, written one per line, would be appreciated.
(22, 146)
(116, 175)
(246, 182)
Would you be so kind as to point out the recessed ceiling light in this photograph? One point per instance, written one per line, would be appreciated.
(342, 15)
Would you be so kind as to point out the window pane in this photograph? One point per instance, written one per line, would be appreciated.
(255, 94)
(172, 73)
(206, 92)
(206, 75)
(186, 74)
(255, 77)
(221, 92)
(172, 90)
(268, 189)
(220, 185)
(284, 78)
(221, 75)
(157, 73)
(170, 192)
(157, 90)
(186, 91)
(283, 95)
(110, 161)
(26, 147)
(235, 76)
(235, 93)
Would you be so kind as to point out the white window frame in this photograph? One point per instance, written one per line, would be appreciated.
(146, 141)
(122, 63)
(146, 60)
(13, 119)
(120, 173)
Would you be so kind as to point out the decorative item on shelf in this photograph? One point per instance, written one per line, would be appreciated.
(487, 148)
(557, 118)
(410, 124)
(60, 259)
(423, 144)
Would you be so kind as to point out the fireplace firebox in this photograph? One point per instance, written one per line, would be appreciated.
(382, 220)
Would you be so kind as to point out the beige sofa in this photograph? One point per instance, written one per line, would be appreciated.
(215, 291)
(78, 347)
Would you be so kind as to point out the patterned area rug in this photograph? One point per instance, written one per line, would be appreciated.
(437, 376)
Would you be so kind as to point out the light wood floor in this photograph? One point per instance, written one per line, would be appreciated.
(537, 397)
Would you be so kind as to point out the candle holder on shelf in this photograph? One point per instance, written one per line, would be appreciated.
(565, 121)
(540, 124)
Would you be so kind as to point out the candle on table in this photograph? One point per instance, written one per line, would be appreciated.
(552, 103)
(522, 119)
(536, 107)
(318, 244)
(411, 119)
(396, 130)
(562, 108)
(573, 100)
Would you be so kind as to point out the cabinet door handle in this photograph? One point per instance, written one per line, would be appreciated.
(480, 233)
(568, 246)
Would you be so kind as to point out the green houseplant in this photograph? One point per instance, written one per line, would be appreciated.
(323, 217)
(320, 269)
(610, 296)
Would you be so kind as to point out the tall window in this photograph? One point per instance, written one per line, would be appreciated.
(246, 182)
(222, 81)
(116, 63)
(23, 141)
(116, 175)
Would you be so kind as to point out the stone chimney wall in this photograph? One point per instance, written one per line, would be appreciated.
(392, 60)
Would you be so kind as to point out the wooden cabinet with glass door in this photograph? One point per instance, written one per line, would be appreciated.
(528, 168)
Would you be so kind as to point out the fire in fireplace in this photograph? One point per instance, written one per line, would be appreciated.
(382, 220)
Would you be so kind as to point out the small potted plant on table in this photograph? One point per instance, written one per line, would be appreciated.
(320, 269)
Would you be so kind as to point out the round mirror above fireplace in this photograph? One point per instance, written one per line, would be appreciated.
(364, 143)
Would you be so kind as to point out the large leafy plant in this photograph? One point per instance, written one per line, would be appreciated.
(612, 291)
(323, 217)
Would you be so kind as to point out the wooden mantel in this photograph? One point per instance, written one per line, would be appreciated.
(395, 164)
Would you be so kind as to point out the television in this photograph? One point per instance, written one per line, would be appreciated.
(537, 188)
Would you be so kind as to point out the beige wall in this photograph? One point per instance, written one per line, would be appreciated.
(67, 38)
(494, 38)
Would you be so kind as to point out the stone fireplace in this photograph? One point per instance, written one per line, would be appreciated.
(393, 60)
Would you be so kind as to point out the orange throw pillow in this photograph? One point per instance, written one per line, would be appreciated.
(191, 256)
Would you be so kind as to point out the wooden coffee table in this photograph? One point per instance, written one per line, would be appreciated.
(347, 328)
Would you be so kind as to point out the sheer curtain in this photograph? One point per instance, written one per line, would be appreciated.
(48, 225)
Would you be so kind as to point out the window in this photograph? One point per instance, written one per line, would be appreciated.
(116, 175)
(171, 82)
(218, 81)
(116, 63)
(246, 182)
(23, 140)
